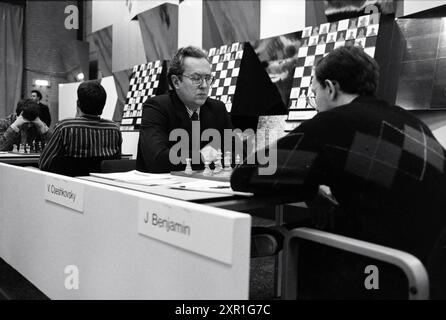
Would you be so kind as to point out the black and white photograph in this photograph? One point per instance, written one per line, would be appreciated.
(224, 156)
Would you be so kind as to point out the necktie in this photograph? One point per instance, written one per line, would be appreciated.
(194, 116)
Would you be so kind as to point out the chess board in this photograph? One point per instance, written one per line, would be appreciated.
(32, 148)
(225, 67)
(143, 84)
(317, 42)
(223, 175)
(30, 153)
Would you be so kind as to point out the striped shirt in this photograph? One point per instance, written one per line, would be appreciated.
(82, 137)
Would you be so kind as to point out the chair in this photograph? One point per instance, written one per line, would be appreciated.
(266, 241)
(413, 269)
(118, 165)
(73, 167)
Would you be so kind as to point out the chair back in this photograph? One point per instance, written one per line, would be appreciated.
(118, 165)
(73, 167)
(396, 264)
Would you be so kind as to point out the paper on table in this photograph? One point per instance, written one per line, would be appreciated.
(210, 186)
(138, 177)
(154, 182)
(133, 175)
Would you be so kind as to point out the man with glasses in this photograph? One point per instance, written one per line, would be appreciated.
(183, 108)
(368, 170)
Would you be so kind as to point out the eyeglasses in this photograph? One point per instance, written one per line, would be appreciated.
(198, 80)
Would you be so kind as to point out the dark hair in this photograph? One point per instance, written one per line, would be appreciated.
(177, 63)
(354, 70)
(91, 96)
(37, 92)
(28, 108)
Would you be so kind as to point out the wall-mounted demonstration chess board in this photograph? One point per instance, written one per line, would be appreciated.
(317, 42)
(225, 66)
(243, 85)
(147, 80)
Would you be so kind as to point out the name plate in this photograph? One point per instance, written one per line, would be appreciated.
(66, 193)
(204, 230)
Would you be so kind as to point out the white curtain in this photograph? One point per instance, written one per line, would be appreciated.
(11, 57)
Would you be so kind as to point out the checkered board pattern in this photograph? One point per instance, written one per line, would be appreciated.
(225, 67)
(317, 42)
(143, 84)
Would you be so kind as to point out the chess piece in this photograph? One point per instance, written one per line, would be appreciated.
(333, 27)
(322, 40)
(217, 162)
(352, 24)
(227, 161)
(362, 22)
(188, 169)
(237, 160)
(341, 36)
(217, 166)
(207, 171)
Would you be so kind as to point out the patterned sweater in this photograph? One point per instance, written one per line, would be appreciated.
(383, 165)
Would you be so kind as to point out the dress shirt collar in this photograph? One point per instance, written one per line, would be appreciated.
(190, 112)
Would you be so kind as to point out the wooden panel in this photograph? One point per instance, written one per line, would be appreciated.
(159, 29)
(422, 36)
(415, 85)
(225, 22)
(103, 45)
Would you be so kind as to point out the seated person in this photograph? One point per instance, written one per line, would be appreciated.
(78, 145)
(378, 171)
(24, 126)
(185, 109)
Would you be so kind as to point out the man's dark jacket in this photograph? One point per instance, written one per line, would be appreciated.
(44, 114)
(167, 112)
